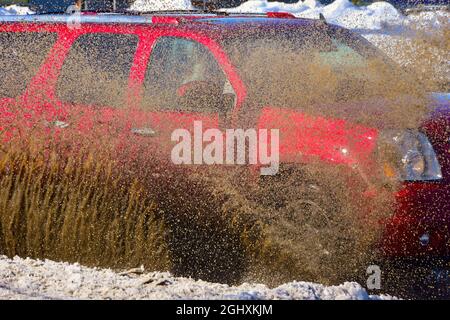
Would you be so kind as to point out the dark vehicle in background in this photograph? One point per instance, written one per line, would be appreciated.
(42, 6)
(216, 4)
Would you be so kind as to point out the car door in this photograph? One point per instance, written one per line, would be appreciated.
(183, 84)
(93, 83)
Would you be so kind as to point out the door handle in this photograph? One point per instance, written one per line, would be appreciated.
(144, 132)
(57, 124)
(60, 124)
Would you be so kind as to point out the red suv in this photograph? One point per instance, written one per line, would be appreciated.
(173, 69)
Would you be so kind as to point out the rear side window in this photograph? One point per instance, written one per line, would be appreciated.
(21, 55)
(96, 70)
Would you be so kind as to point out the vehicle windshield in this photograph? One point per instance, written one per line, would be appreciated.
(310, 69)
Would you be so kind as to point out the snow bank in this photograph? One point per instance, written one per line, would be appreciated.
(429, 19)
(15, 10)
(152, 5)
(34, 279)
(376, 16)
(341, 12)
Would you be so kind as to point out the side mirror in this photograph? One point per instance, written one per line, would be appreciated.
(201, 96)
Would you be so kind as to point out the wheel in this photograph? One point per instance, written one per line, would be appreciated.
(316, 227)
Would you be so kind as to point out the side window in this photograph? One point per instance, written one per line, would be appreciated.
(177, 65)
(21, 55)
(97, 69)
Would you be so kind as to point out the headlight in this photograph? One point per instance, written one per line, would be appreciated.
(415, 158)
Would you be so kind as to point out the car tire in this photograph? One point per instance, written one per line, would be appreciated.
(313, 232)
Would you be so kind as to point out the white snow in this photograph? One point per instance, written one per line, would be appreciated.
(35, 279)
(15, 10)
(375, 16)
(341, 12)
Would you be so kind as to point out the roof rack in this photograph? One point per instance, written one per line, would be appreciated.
(177, 12)
(134, 12)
